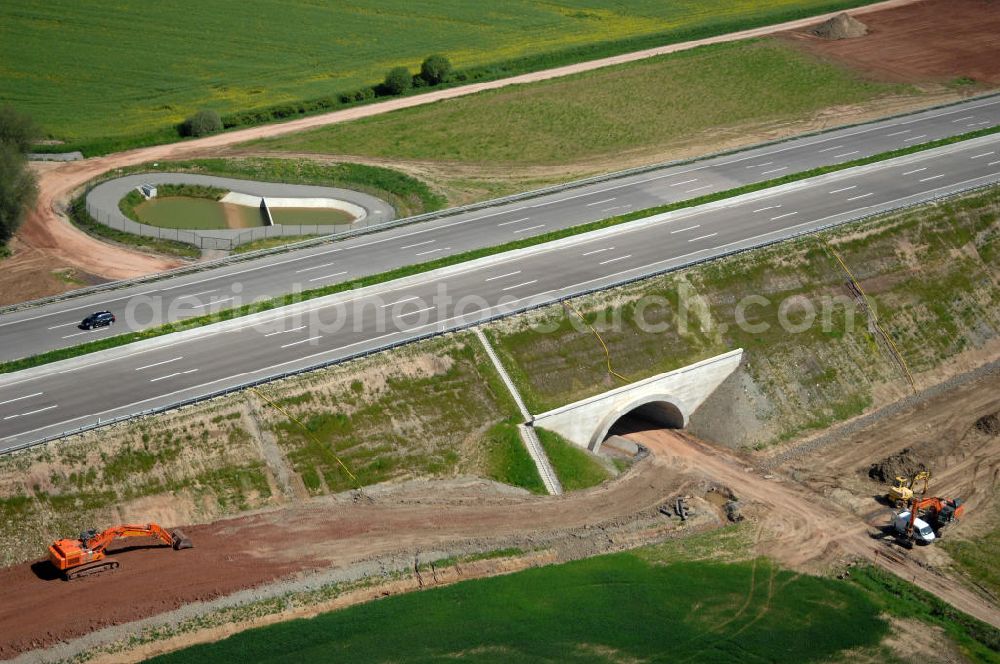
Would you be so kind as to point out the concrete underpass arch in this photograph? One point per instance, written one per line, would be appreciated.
(663, 408)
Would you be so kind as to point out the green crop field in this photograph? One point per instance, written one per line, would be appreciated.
(614, 608)
(100, 70)
(602, 114)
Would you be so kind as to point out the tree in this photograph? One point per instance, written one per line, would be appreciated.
(17, 189)
(202, 123)
(398, 81)
(435, 69)
(17, 130)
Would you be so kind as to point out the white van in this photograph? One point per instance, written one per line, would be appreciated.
(922, 532)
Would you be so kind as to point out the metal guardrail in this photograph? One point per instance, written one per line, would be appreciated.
(490, 318)
(472, 207)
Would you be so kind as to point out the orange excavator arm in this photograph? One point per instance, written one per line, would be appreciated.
(101, 541)
(72, 556)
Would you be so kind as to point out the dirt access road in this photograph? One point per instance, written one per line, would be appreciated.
(802, 529)
(48, 234)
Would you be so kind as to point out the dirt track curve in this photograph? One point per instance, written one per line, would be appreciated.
(801, 528)
(47, 229)
(794, 528)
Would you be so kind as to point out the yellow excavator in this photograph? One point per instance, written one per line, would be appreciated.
(902, 492)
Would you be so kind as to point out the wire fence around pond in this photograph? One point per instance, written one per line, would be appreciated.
(223, 239)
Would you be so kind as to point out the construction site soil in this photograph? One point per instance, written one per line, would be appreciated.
(791, 525)
(931, 41)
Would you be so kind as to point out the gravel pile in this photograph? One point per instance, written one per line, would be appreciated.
(841, 26)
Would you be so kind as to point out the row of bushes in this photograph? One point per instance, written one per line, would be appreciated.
(434, 70)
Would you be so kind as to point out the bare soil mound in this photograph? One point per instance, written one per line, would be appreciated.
(902, 464)
(841, 26)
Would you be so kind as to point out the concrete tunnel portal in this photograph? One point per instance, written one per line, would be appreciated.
(665, 400)
(659, 411)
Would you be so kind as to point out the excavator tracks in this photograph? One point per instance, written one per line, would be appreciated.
(105, 565)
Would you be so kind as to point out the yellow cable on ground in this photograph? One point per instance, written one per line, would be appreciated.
(607, 353)
(878, 324)
(307, 431)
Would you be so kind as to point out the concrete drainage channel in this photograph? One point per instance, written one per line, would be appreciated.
(368, 211)
(527, 431)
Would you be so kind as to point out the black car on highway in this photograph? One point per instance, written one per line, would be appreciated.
(98, 319)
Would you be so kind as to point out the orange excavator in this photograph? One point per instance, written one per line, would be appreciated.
(938, 512)
(85, 556)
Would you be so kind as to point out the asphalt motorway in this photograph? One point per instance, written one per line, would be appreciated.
(39, 329)
(62, 396)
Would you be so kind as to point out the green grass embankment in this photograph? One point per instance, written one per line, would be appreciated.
(575, 468)
(508, 460)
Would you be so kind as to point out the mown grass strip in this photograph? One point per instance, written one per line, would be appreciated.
(447, 261)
